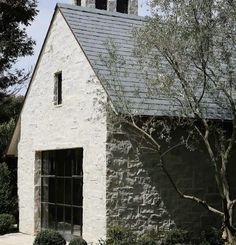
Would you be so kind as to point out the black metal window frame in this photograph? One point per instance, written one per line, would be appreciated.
(122, 6)
(78, 2)
(101, 4)
(57, 177)
(58, 88)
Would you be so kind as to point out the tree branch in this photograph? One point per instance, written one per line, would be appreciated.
(188, 197)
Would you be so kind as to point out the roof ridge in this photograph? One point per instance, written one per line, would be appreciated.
(99, 11)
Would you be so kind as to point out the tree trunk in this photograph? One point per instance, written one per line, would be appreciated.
(229, 237)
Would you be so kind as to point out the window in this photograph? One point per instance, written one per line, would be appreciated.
(122, 6)
(78, 2)
(58, 88)
(101, 4)
(62, 191)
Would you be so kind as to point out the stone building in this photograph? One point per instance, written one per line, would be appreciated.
(75, 174)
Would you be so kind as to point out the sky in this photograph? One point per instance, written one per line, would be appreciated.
(40, 25)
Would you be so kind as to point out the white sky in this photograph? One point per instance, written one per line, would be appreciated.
(40, 25)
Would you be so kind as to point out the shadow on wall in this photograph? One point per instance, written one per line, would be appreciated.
(140, 196)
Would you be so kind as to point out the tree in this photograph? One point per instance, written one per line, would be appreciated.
(189, 49)
(15, 16)
(7, 201)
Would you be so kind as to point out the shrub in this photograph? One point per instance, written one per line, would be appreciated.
(49, 237)
(78, 241)
(119, 235)
(177, 236)
(150, 237)
(7, 202)
(211, 236)
(6, 223)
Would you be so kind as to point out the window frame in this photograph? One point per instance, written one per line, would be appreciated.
(58, 88)
(49, 172)
(104, 4)
(119, 6)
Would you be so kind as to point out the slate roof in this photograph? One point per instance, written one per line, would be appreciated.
(95, 28)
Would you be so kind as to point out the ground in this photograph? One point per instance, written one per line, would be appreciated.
(16, 238)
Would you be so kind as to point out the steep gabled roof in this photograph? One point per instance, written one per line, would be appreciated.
(100, 31)
(95, 30)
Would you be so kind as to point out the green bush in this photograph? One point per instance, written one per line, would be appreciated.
(119, 235)
(6, 223)
(7, 202)
(78, 241)
(177, 236)
(49, 237)
(211, 236)
(150, 237)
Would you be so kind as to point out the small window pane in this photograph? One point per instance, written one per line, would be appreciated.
(78, 162)
(60, 191)
(68, 190)
(60, 163)
(44, 215)
(44, 190)
(101, 4)
(51, 191)
(77, 192)
(77, 221)
(122, 6)
(68, 220)
(51, 216)
(60, 219)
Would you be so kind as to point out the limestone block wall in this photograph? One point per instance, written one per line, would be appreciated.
(77, 122)
(140, 196)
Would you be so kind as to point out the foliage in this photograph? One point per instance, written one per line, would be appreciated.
(7, 201)
(49, 237)
(78, 241)
(177, 236)
(120, 235)
(10, 108)
(15, 16)
(6, 223)
(150, 237)
(6, 130)
(211, 236)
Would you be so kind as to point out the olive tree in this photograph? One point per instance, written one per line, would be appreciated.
(186, 52)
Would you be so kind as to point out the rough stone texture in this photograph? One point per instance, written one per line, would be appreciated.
(133, 7)
(140, 196)
(37, 192)
(78, 122)
(89, 3)
(111, 5)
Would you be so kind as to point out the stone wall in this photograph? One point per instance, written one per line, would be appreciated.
(139, 195)
(111, 5)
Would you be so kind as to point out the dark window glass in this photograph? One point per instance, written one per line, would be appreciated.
(58, 88)
(44, 215)
(51, 190)
(44, 189)
(60, 219)
(77, 192)
(78, 2)
(68, 194)
(62, 191)
(101, 4)
(77, 162)
(77, 221)
(51, 216)
(122, 6)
